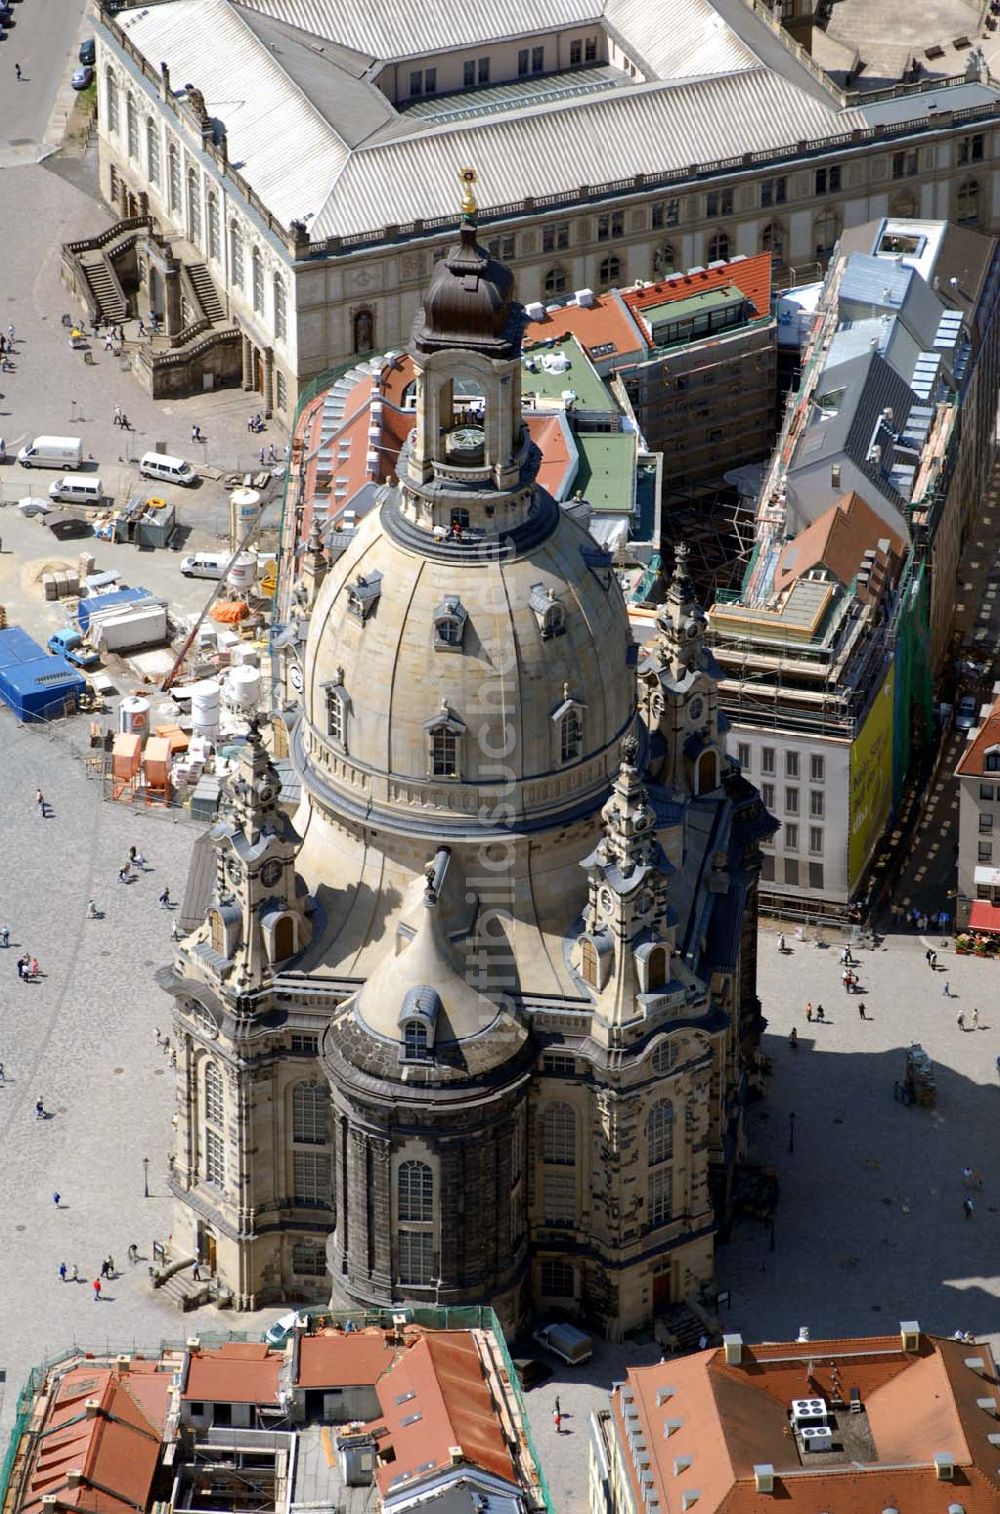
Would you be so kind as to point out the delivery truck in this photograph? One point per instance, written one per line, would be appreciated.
(60, 452)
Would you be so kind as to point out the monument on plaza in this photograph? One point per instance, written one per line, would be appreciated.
(475, 1027)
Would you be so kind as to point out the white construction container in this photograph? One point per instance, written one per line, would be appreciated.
(243, 687)
(206, 699)
(133, 716)
(242, 573)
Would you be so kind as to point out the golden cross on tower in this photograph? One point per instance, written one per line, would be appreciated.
(468, 177)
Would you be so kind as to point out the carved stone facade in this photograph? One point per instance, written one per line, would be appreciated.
(517, 888)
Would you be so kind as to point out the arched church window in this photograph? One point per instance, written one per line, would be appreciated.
(609, 272)
(111, 96)
(656, 968)
(559, 1135)
(554, 282)
(570, 736)
(174, 177)
(257, 280)
(214, 227)
(214, 1101)
(444, 736)
(415, 1193)
(194, 205)
(236, 254)
(152, 150)
(132, 127)
(283, 938)
(588, 962)
(280, 309)
(660, 1133)
(415, 1046)
(310, 1114)
(660, 1151)
(449, 623)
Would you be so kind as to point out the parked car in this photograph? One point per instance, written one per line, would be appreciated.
(965, 715)
(6, 16)
(278, 1333)
(88, 51)
(573, 1345)
(83, 78)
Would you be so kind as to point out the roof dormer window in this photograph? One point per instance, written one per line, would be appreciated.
(567, 722)
(363, 595)
(549, 611)
(991, 760)
(338, 705)
(449, 624)
(444, 739)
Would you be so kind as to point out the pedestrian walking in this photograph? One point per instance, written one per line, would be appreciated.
(861, 1010)
(55, 1199)
(820, 1014)
(960, 1019)
(934, 960)
(947, 989)
(91, 909)
(975, 1019)
(557, 1417)
(809, 1012)
(40, 801)
(109, 342)
(196, 435)
(967, 1208)
(4, 936)
(117, 416)
(558, 1406)
(17, 72)
(165, 900)
(262, 453)
(96, 1285)
(3, 1076)
(125, 422)
(781, 941)
(140, 862)
(142, 327)
(123, 874)
(927, 956)
(34, 967)
(63, 1270)
(10, 328)
(74, 1275)
(20, 967)
(133, 1254)
(39, 1110)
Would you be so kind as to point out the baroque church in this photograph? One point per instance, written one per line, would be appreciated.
(474, 1023)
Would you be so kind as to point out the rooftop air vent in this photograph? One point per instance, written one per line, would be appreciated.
(733, 1347)
(585, 298)
(909, 1331)
(944, 1466)
(763, 1476)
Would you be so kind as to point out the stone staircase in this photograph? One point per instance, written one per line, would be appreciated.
(204, 286)
(109, 300)
(181, 1290)
(680, 1329)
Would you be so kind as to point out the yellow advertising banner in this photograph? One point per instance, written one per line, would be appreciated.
(871, 780)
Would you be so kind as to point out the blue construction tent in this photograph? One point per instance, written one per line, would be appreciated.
(35, 685)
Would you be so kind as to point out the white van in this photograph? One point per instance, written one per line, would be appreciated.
(52, 452)
(77, 491)
(166, 469)
(205, 564)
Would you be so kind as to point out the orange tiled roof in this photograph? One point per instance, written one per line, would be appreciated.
(707, 1425)
(972, 763)
(752, 276)
(605, 324)
(241, 1372)
(343, 1361)
(447, 1403)
(117, 1450)
(838, 540)
(549, 434)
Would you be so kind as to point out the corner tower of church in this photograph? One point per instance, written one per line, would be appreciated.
(499, 1063)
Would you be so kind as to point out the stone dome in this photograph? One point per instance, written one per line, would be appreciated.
(469, 303)
(518, 665)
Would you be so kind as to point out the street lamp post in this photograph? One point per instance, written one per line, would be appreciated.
(145, 1177)
(791, 1133)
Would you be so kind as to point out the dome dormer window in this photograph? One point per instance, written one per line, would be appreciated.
(363, 595)
(549, 611)
(567, 722)
(449, 624)
(444, 737)
(338, 705)
(418, 1021)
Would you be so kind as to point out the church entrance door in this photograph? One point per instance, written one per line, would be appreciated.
(661, 1290)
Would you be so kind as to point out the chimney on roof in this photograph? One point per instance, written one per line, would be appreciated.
(193, 1344)
(455, 1456)
(74, 1477)
(733, 1347)
(763, 1477)
(909, 1334)
(92, 1408)
(124, 1363)
(944, 1466)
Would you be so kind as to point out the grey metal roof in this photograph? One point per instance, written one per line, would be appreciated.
(614, 135)
(206, 43)
(908, 107)
(725, 84)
